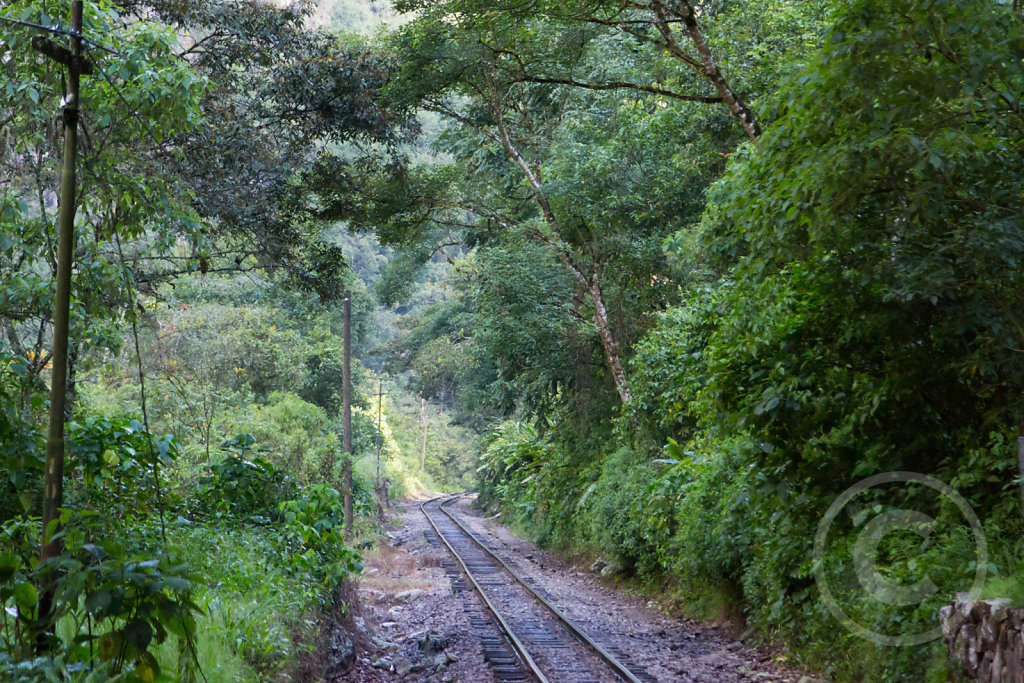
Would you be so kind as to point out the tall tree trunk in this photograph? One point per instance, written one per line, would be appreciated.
(708, 68)
(608, 342)
(592, 284)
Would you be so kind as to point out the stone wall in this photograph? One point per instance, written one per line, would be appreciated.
(986, 637)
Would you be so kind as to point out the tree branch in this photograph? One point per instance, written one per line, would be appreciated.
(618, 85)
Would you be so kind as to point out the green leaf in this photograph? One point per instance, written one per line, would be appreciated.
(98, 601)
(9, 564)
(19, 368)
(26, 596)
(139, 633)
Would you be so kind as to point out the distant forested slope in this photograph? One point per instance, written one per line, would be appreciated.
(354, 16)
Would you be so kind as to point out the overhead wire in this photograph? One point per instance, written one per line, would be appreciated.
(56, 30)
(60, 31)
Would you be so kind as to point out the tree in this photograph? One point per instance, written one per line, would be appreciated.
(890, 253)
(544, 105)
(283, 93)
(859, 311)
(138, 100)
(658, 48)
(507, 117)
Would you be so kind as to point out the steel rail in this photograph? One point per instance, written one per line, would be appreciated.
(618, 667)
(513, 639)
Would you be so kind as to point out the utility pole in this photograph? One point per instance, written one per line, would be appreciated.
(423, 416)
(381, 493)
(53, 491)
(380, 436)
(346, 374)
(1020, 467)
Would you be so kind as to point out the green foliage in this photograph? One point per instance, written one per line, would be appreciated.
(867, 322)
(839, 298)
(118, 454)
(849, 304)
(509, 467)
(669, 368)
(300, 437)
(179, 181)
(616, 512)
(20, 445)
(256, 605)
(139, 97)
(246, 488)
(450, 461)
(314, 526)
(120, 607)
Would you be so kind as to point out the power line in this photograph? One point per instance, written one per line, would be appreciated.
(89, 43)
(58, 31)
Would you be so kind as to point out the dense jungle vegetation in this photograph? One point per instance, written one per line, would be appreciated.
(669, 276)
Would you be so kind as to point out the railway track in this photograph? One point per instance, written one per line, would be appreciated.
(541, 643)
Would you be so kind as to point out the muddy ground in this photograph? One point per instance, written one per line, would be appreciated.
(413, 627)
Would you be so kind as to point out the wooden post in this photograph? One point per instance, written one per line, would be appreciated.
(423, 416)
(346, 374)
(1020, 469)
(53, 491)
(380, 442)
(380, 413)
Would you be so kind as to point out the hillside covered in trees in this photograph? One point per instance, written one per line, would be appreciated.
(665, 282)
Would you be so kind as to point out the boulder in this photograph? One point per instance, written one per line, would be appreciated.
(433, 642)
(402, 666)
(410, 595)
(611, 569)
(386, 645)
(343, 653)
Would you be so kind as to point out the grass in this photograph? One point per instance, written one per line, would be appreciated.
(253, 608)
(393, 570)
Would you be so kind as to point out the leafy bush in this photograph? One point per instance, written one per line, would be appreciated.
(510, 465)
(616, 514)
(854, 307)
(118, 455)
(313, 526)
(248, 488)
(21, 446)
(114, 607)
